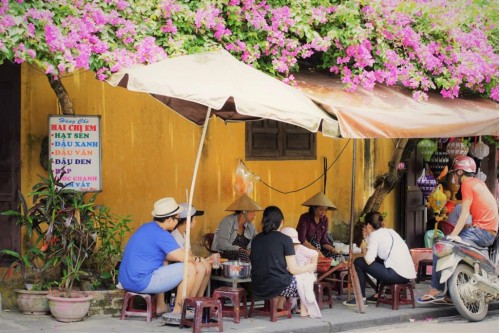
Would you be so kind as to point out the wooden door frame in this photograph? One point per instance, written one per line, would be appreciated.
(10, 80)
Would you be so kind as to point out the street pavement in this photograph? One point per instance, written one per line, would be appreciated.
(338, 319)
(489, 324)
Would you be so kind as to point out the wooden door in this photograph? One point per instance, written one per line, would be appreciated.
(10, 155)
(412, 214)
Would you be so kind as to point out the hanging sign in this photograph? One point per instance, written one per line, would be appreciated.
(75, 145)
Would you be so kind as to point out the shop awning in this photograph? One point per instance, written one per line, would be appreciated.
(391, 112)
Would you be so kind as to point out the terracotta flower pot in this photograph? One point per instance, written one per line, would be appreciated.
(32, 302)
(69, 309)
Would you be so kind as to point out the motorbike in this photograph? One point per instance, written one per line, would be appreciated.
(470, 274)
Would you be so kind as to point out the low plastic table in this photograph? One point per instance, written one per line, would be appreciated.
(234, 282)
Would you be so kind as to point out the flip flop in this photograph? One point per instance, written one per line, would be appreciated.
(426, 299)
(443, 301)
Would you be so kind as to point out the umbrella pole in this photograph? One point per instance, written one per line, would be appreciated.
(187, 245)
(353, 189)
(352, 271)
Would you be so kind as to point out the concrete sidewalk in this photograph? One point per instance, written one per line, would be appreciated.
(338, 319)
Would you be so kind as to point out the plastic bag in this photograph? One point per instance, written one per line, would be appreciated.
(243, 181)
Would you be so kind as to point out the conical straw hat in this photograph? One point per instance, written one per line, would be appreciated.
(244, 202)
(319, 199)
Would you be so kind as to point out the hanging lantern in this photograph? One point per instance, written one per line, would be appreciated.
(438, 162)
(427, 147)
(426, 183)
(456, 148)
(479, 149)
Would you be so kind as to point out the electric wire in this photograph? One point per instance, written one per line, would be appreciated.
(303, 187)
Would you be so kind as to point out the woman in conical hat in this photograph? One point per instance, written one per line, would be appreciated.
(313, 225)
(235, 232)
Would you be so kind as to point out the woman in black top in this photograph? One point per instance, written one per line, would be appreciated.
(273, 259)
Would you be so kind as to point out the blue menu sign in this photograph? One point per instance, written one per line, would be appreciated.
(75, 145)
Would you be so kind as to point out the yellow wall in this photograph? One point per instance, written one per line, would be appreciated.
(148, 152)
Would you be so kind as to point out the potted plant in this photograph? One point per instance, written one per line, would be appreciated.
(59, 230)
(36, 263)
(71, 218)
(80, 224)
(31, 265)
(65, 227)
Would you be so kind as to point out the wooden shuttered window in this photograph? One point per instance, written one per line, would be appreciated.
(273, 140)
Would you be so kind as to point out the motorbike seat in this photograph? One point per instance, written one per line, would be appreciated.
(469, 243)
(484, 250)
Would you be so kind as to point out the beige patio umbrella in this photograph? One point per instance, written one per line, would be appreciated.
(231, 89)
(199, 85)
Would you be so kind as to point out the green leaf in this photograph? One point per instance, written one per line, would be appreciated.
(11, 253)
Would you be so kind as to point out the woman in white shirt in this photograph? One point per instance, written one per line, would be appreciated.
(395, 265)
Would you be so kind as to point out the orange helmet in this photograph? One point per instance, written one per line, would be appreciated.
(464, 163)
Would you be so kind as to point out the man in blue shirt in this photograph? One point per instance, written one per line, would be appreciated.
(143, 268)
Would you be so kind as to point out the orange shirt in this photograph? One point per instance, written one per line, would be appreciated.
(484, 209)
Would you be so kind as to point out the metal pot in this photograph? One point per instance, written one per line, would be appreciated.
(236, 269)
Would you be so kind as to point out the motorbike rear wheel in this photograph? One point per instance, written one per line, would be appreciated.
(469, 300)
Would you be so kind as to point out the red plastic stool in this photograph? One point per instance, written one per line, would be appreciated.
(199, 303)
(319, 291)
(271, 309)
(237, 296)
(399, 294)
(128, 308)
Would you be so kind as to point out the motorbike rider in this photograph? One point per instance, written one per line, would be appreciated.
(479, 202)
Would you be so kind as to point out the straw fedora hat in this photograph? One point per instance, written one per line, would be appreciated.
(244, 202)
(166, 207)
(319, 199)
